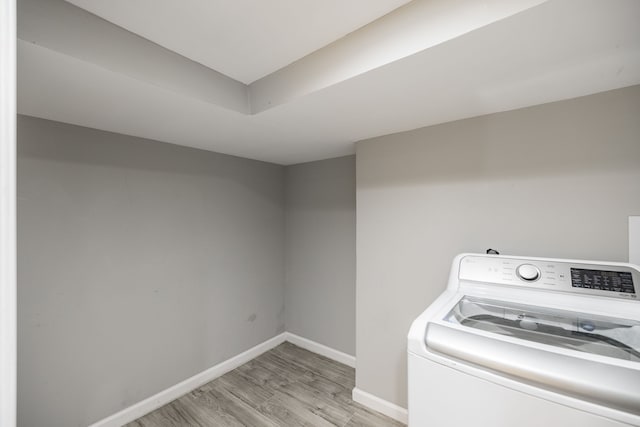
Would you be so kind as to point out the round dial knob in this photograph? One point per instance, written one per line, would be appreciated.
(528, 272)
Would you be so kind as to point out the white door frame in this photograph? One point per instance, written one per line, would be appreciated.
(7, 213)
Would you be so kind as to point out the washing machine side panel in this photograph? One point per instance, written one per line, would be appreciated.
(442, 396)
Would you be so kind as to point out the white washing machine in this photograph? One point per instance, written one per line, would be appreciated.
(528, 342)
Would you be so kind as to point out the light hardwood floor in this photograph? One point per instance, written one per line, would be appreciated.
(286, 386)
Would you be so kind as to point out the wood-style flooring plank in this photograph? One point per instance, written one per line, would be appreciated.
(282, 367)
(240, 387)
(243, 412)
(289, 411)
(320, 365)
(208, 410)
(369, 419)
(261, 376)
(173, 414)
(286, 386)
(316, 402)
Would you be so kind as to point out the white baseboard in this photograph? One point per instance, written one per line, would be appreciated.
(160, 399)
(380, 405)
(321, 349)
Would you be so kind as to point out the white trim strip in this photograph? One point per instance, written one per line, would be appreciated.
(160, 399)
(321, 349)
(7, 213)
(380, 405)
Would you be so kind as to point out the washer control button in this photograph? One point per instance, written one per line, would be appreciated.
(528, 272)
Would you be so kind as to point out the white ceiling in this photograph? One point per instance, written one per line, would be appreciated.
(521, 53)
(243, 39)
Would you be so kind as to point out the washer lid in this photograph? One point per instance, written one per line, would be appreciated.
(591, 358)
(605, 336)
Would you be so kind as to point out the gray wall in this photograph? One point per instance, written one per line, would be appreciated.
(320, 252)
(140, 264)
(556, 180)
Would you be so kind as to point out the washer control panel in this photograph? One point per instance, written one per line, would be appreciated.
(596, 279)
(607, 280)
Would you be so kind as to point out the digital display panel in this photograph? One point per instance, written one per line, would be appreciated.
(615, 281)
